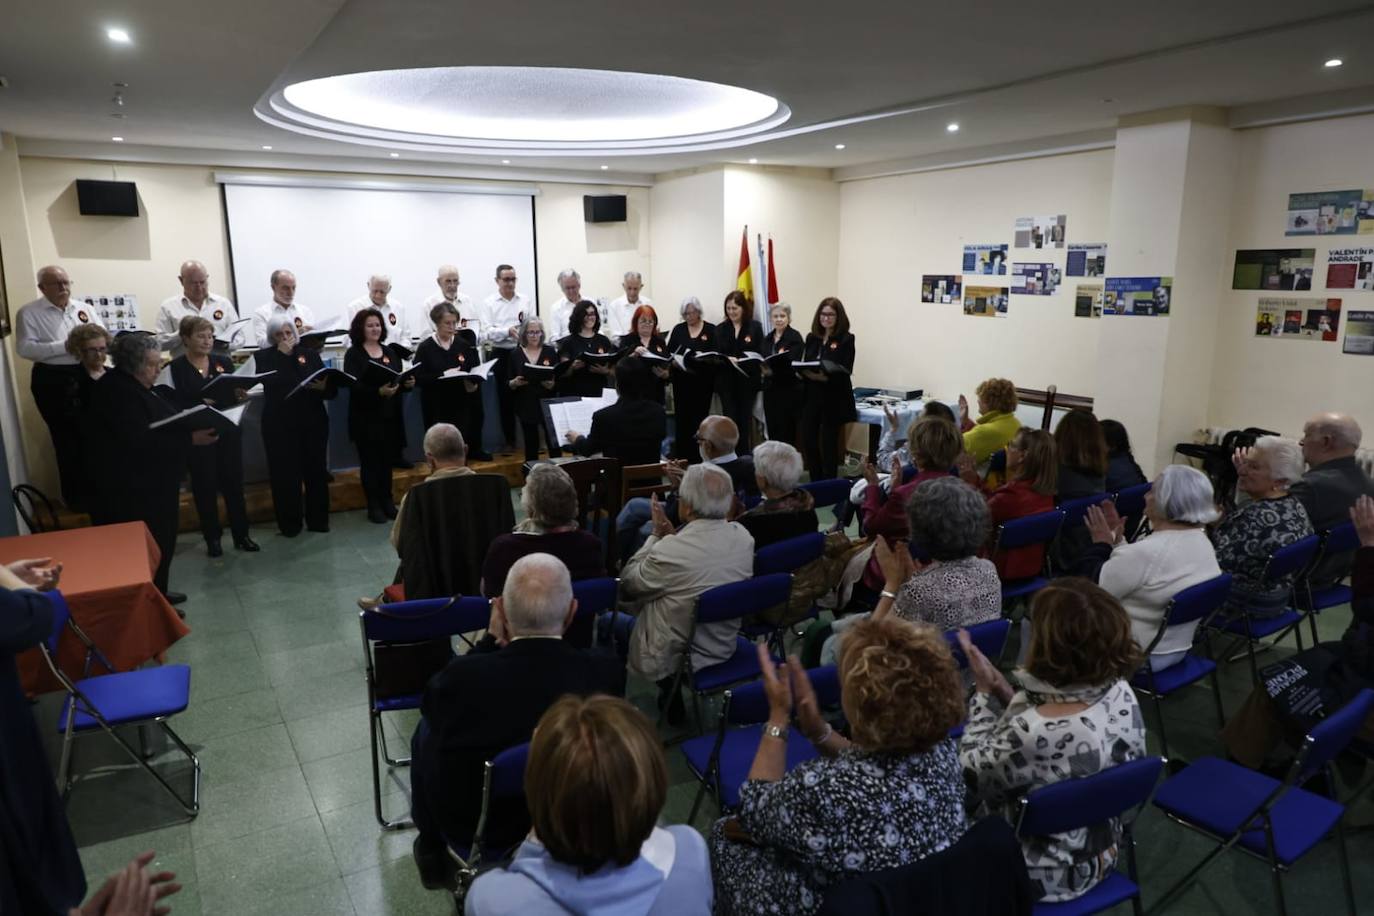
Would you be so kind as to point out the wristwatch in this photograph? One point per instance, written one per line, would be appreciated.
(776, 731)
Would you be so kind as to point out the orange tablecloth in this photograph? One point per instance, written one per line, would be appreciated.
(107, 579)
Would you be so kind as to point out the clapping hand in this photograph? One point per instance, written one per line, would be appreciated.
(1239, 457)
(963, 409)
(40, 573)
(777, 686)
(807, 707)
(896, 471)
(986, 678)
(661, 526)
(1104, 524)
(674, 471)
(890, 413)
(1362, 514)
(895, 561)
(871, 472)
(966, 466)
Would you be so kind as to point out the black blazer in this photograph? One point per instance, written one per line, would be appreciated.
(631, 430)
(485, 702)
(307, 407)
(783, 376)
(526, 398)
(188, 382)
(583, 382)
(656, 346)
(834, 396)
(748, 338)
(134, 470)
(371, 416)
(434, 360)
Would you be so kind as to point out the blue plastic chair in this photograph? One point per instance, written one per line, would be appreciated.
(717, 605)
(142, 697)
(1130, 505)
(1341, 539)
(408, 622)
(829, 492)
(991, 639)
(721, 762)
(1076, 510)
(1041, 528)
(1194, 603)
(596, 597)
(1119, 791)
(503, 777)
(1290, 560)
(1270, 819)
(784, 557)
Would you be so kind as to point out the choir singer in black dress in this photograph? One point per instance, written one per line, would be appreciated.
(136, 471)
(585, 378)
(458, 401)
(827, 393)
(644, 340)
(375, 421)
(216, 469)
(737, 383)
(295, 429)
(694, 382)
(531, 381)
(781, 387)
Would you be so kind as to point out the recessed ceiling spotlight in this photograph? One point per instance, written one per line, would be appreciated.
(118, 36)
(505, 162)
(117, 139)
(395, 155)
(1333, 63)
(753, 162)
(952, 127)
(267, 147)
(604, 167)
(839, 146)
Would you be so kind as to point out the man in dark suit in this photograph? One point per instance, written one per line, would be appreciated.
(1332, 483)
(487, 701)
(632, 429)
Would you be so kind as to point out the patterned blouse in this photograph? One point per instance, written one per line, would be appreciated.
(1245, 539)
(952, 593)
(1007, 753)
(833, 818)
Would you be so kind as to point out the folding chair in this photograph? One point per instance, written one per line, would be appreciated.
(1029, 530)
(1076, 510)
(828, 492)
(1341, 539)
(1121, 792)
(400, 623)
(991, 639)
(721, 762)
(595, 597)
(1270, 819)
(1195, 603)
(141, 697)
(716, 605)
(503, 778)
(1130, 505)
(1290, 560)
(785, 557)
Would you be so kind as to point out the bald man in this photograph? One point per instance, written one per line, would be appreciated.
(448, 281)
(41, 330)
(393, 313)
(197, 301)
(1332, 484)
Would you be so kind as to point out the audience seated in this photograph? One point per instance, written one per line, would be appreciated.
(489, 700)
(934, 445)
(1297, 692)
(1122, 470)
(996, 422)
(1147, 574)
(550, 526)
(1074, 715)
(632, 429)
(661, 582)
(1332, 483)
(890, 450)
(889, 796)
(595, 784)
(786, 510)
(1270, 519)
(1029, 490)
(1082, 451)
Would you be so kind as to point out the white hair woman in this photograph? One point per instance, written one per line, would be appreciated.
(781, 387)
(692, 390)
(1147, 574)
(530, 369)
(786, 510)
(1270, 519)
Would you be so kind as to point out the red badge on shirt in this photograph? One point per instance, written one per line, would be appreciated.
(219, 313)
(702, 336)
(301, 360)
(748, 339)
(299, 324)
(781, 350)
(600, 350)
(391, 317)
(386, 360)
(462, 359)
(83, 316)
(545, 361)
(834, 345)
(219, 370)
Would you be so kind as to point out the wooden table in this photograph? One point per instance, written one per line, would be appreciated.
(107, 579)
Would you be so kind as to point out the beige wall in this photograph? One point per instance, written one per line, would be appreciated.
(685, 238)
(22, 433)
(599, 252)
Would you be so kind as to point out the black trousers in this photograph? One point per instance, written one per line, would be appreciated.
(500, 377)
(820, 436)
(691, 405)
(531, 433)
(374, 468)
(463, 410)
(159, 509)
(52, 388)
(296, 459)
(218, 469)
(737, 402)
(780, 413)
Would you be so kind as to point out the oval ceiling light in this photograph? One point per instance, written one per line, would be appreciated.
(1333, 63)
(522, 110)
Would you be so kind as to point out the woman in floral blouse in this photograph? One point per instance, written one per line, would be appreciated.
(1271, 519)
(887, 797)
(1074, 715)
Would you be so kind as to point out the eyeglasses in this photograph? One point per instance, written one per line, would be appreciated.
(93, 350)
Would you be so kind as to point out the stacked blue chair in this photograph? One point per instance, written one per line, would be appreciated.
(785, 557)
(991, 639)
(1027, 531)
(400, 623)
(1290, 560)
(828, 492)
(721, 762)
(1130, 505)
(595, 600)
(107, 701)
(1339, 540)
(1119, 791)
(1195, 603)
(503, 778)
(1272, 820)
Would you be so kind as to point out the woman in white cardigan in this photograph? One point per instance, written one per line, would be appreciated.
(1177, 554)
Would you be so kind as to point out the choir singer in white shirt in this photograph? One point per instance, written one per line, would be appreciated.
(195, 301)
(469, 313)
(283, 305)
(393, 313)
(560, 316)
(620, 313)
(502, 314)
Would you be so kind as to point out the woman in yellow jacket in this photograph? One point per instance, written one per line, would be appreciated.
(996, 423)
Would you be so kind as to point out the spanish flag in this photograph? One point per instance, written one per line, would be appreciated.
(745, 281)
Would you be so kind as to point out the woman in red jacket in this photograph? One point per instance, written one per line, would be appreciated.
(1032, 478)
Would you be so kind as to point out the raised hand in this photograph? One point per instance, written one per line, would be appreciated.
(1362, 514)
(986, 678)
(777, 686)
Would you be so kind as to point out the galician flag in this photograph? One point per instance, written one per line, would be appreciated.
(745, 280)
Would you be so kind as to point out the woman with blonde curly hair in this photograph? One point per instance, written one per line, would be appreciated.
(1074, 715)
(888, 795)
(996, 422)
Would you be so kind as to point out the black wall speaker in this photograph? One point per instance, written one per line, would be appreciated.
(106, 198)
(604, 208)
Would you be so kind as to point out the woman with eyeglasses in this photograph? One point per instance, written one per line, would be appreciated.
(644, 340)
(827, 392)
(585, 377)
(90, 345)
(530, 386)
(694, 383)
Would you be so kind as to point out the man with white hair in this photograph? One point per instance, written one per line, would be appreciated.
(195, 301)
(41, 330)
(619, 313)
(283, 305)
(1332, 484)
(663, 579)
(393, 313)
(489, 700)
(448, 281)
(560, 316)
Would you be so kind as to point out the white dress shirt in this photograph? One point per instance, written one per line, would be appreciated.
(616, 321)
(265, 313)
(217, 310)
(556, 327)
(41, 330)
(393, 313)
(500, 315)
(468, 310)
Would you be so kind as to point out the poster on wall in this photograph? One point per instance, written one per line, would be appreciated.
(1137, 295)
(1298, 319)
(941, 288)
(1033, 279)
(1039, 232)
(1086, 260)
(1087, 300)
(985, 301)
(985, 260)
(1330, 213)
(1274, 268)
(117, 313)
(1350, 268)
(1359, 333)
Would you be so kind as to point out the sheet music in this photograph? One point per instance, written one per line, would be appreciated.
(576, 416)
